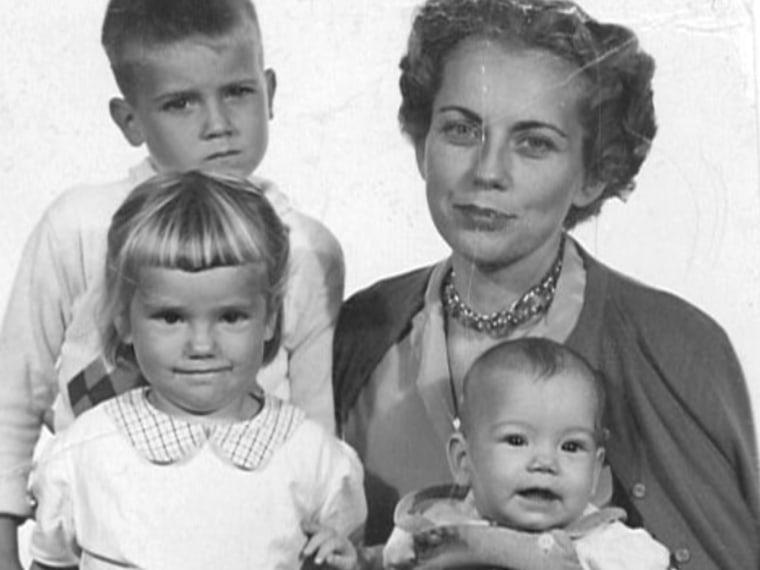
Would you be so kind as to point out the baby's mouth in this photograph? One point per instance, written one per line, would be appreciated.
(539, 494)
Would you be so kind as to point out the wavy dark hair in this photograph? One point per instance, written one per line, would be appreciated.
(617, 112)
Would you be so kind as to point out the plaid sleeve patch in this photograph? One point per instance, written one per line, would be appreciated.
(97, 383)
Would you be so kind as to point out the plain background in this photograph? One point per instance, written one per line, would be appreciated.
(691, 227)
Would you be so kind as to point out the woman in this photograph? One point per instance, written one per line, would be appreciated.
(525, 117)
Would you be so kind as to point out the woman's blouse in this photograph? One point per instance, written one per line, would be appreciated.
(403, 417)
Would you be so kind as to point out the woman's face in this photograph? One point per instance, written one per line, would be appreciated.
(503, 159)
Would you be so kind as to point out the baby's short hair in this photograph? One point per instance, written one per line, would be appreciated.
(542, 358)
(152, 23)
(192, 221)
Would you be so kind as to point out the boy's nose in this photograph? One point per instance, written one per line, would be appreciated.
(218, 122)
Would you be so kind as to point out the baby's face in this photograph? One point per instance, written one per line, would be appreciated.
(203, 103)
(533, 458)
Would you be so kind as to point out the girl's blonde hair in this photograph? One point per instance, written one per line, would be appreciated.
(192, 221)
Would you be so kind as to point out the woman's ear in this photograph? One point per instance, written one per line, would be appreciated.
(588, 193)
(419, 154)
(123, 114)
(459, 459)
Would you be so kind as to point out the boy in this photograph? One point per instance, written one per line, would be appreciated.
(195, 91)
(528, 456)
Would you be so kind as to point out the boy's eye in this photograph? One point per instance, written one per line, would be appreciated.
(462, 132)
(237, 91)
(180, 103)
(535, 146)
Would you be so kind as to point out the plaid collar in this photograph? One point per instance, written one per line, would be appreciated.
(164, 439)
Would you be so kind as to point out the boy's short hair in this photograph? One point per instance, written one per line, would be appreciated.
(192, 221)
(152, 23)
(543, 359)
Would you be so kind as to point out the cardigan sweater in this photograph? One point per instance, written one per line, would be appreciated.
(682, 445)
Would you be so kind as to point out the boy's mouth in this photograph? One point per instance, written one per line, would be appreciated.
(222, 155)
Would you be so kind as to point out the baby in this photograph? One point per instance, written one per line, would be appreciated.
(526, 461)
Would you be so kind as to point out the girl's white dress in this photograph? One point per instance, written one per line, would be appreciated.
(128, 486)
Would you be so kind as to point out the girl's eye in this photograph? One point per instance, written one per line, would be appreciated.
(535, 146)
(168, 317)
(462, 132)
(233, 317)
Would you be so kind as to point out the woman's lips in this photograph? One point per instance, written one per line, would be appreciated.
(482, 218)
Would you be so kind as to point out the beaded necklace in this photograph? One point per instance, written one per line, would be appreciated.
(499, 324)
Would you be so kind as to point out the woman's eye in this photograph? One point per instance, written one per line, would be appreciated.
(536, 146)
(461, 132)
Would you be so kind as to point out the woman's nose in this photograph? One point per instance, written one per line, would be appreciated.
(492, 165)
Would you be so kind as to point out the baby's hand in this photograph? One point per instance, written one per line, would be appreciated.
(328, 548)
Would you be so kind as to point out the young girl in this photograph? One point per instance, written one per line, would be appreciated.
(527, 459)
(198, 468)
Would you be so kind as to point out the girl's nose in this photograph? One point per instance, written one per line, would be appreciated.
(493, 165)
(200, 341)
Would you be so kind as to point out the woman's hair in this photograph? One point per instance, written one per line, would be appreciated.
(543, 359)
(192, 221)
(617, 112)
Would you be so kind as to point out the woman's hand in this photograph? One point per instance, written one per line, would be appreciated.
(325, 548)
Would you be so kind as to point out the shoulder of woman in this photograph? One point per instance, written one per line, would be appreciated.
(651, 309)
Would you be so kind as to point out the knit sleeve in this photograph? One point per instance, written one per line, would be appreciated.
(53, 540)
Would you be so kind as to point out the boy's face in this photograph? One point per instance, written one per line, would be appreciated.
(200, 103)
(530, 454)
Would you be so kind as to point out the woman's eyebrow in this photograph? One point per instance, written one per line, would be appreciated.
(468, 113)
(528, 125)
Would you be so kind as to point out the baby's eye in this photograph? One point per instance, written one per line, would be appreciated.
(462, 132)
(515, 440)
(573, 446)
(535, 146)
